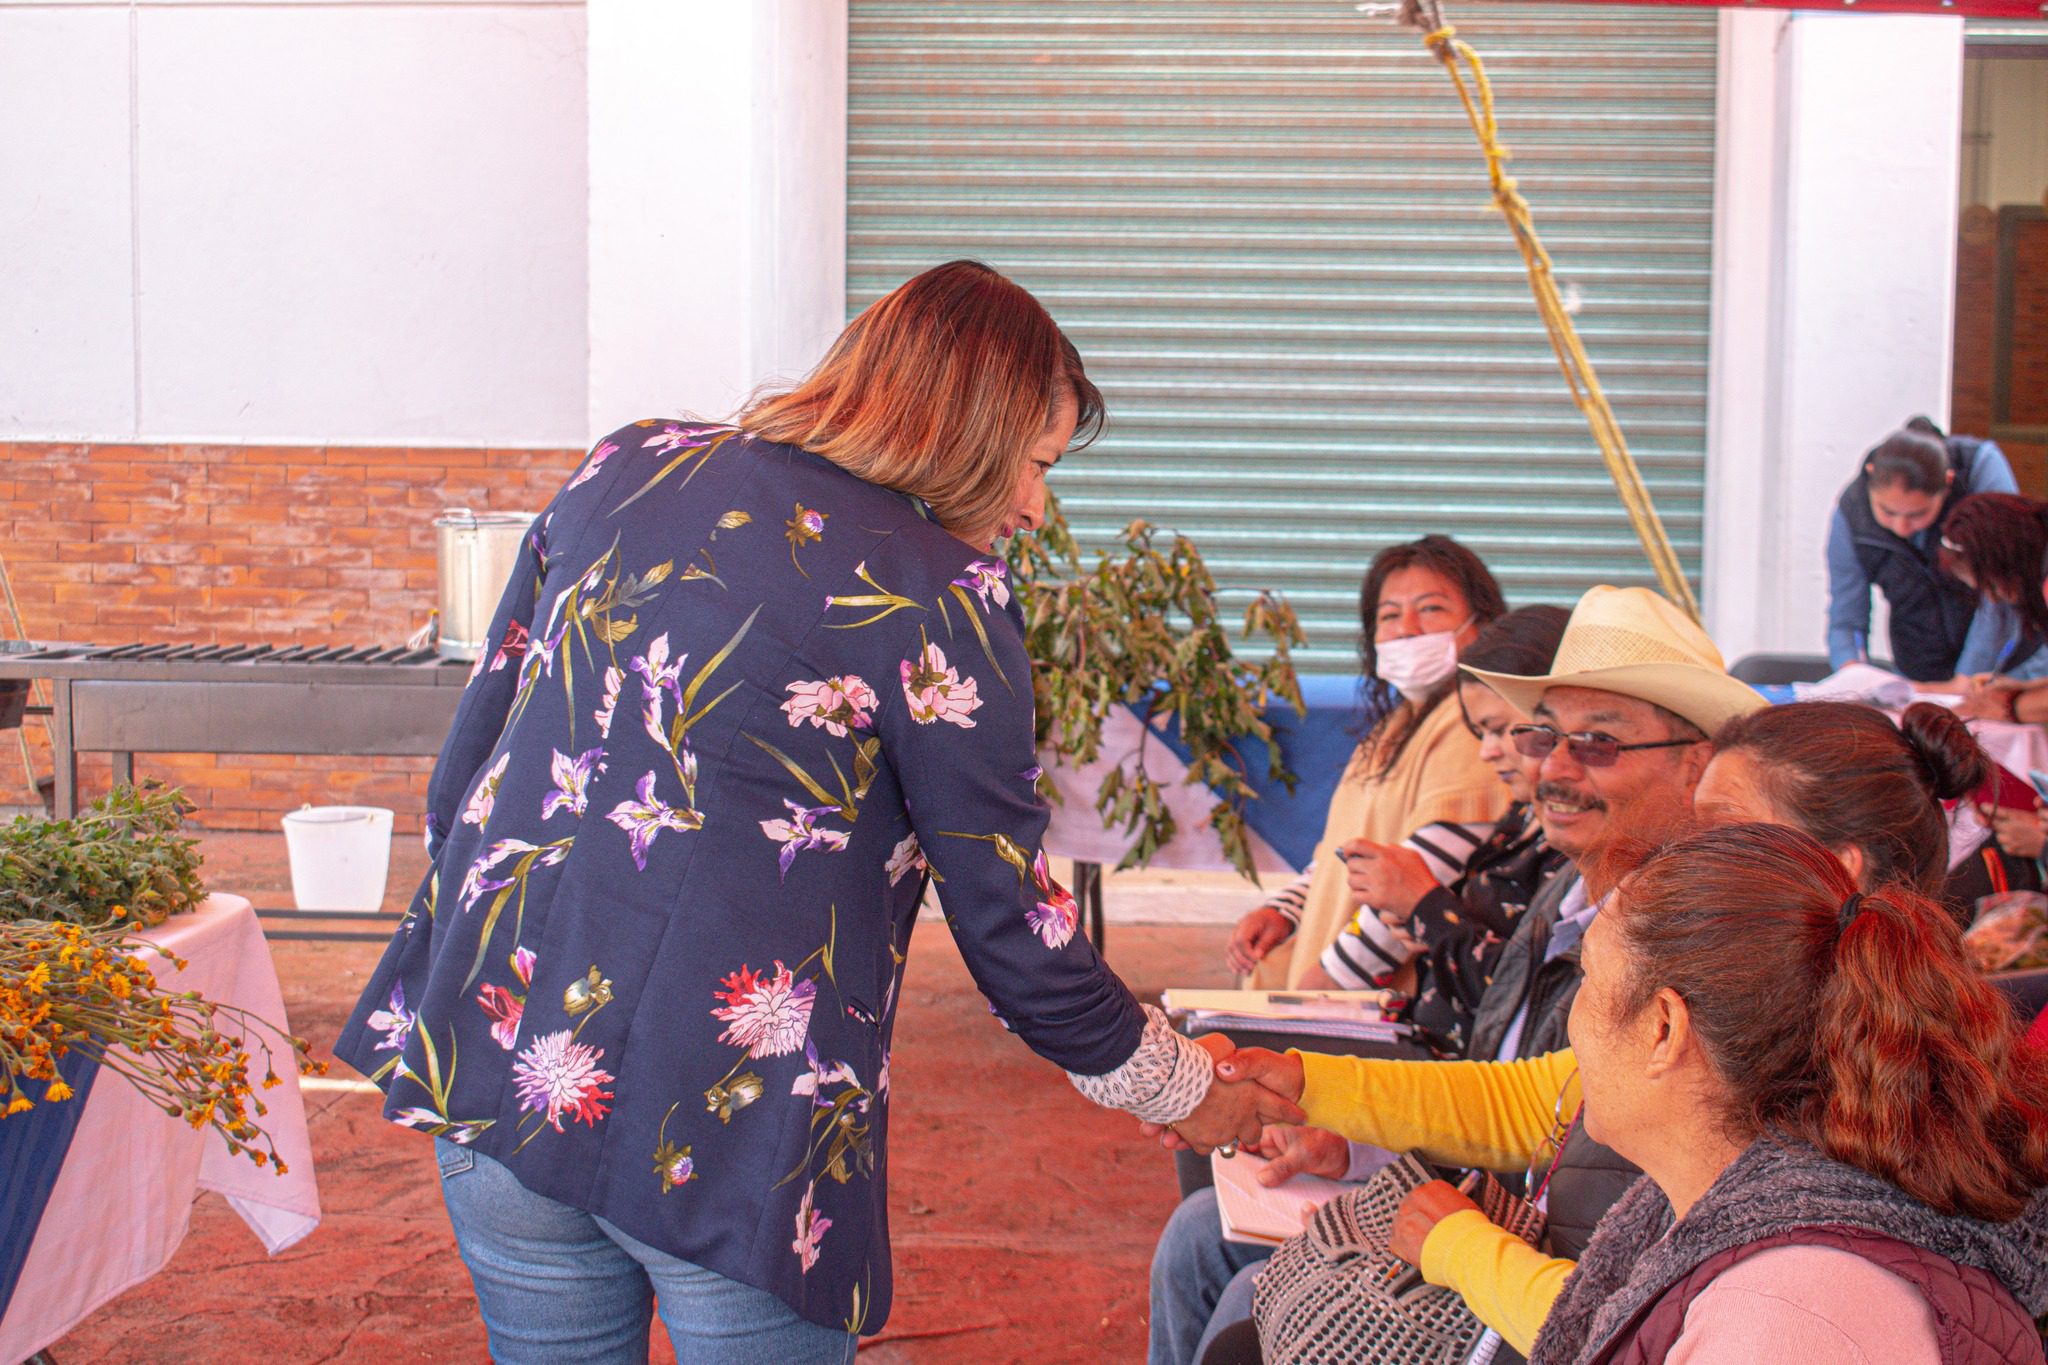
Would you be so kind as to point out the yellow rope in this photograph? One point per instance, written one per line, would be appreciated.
(1564, 338)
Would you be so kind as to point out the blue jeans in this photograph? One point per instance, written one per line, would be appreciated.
(555, 1283)
(1199, 1281)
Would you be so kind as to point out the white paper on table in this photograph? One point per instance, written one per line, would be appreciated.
(1859, 682)
(123, 1198)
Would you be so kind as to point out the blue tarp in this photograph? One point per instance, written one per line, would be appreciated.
(32, 1149)
(1316, 746)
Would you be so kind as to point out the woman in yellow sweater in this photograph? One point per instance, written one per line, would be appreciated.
(1840, 773)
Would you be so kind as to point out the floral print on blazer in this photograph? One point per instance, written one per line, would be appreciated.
(736, 707)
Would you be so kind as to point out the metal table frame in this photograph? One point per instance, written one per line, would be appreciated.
(241, 699)
(235, 699)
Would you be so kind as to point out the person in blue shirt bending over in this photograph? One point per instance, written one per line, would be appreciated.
(1886, 534)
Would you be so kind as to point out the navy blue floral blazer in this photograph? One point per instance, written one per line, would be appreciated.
(737, 705)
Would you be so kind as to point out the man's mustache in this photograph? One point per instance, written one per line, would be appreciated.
(1558, 791)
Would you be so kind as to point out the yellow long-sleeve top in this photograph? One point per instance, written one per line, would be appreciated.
(1495, 1115)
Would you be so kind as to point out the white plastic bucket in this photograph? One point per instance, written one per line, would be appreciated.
(340, 856)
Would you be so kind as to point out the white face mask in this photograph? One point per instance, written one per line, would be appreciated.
(1417, 665)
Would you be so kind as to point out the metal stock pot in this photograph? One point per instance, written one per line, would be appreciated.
(475, 552)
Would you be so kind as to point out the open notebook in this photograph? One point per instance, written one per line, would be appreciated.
(1265, 1217)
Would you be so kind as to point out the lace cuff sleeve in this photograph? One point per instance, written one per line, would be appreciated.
(1161, 1082)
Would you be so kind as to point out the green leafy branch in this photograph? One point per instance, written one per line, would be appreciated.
(1142, 628)
(124, 857)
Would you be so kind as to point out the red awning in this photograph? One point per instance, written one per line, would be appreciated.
(1974, 9)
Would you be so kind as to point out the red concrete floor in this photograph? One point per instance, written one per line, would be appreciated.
(1023, 1217)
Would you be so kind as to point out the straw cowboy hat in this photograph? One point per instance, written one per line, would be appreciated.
(1632, 642)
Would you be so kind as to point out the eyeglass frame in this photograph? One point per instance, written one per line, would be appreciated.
(1574, 738)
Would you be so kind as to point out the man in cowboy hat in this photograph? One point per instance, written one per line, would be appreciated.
(1622, 724)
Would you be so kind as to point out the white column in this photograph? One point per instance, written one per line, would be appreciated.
(1834, 290)
(717, 200)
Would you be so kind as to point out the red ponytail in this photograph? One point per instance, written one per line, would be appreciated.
(1876, 1040)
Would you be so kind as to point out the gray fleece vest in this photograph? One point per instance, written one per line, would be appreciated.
(1625, 1303)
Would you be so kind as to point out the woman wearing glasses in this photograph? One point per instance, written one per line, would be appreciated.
(1842, 775)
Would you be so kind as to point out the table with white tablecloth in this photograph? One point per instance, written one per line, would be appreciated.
(1283, 826)
(123, 1196)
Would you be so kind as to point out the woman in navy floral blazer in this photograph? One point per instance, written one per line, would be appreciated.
(750, 688)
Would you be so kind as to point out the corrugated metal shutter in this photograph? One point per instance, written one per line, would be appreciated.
(2006, 33)
(1268, 229)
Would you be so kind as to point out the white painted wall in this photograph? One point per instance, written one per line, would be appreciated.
(1834, 281)
(67, 360)
(354, 222)
(717, 221)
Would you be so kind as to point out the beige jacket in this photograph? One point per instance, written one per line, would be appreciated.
(1438, 777)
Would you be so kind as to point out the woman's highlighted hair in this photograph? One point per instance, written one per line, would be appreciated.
(938, 389)
(1870, 1034)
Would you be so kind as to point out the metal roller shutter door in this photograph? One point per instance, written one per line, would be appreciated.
(1267, 227)
(2005, 33)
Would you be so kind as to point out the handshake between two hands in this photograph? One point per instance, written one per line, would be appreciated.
(1253, 1088)
(1252, 1104)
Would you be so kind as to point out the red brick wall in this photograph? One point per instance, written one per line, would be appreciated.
(110, 544)
(1976, 331)
(2029, 377)
(1976, 344)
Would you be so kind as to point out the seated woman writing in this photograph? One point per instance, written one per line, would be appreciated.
(1997, 544)
(1841, 774)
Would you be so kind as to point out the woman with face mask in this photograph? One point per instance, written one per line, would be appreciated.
(1417, 766)
(1452, 931)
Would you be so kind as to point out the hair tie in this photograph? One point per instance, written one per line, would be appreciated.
(1849, 909)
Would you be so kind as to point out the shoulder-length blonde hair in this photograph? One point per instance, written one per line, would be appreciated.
(937, 389)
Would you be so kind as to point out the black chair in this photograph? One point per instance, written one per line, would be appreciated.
(1776, 670)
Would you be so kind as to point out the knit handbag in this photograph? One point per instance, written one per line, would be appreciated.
(1336, 1296)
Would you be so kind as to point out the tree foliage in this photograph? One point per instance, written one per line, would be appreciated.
(1142, 628)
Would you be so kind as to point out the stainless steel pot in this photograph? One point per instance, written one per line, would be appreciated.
(475, 552)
